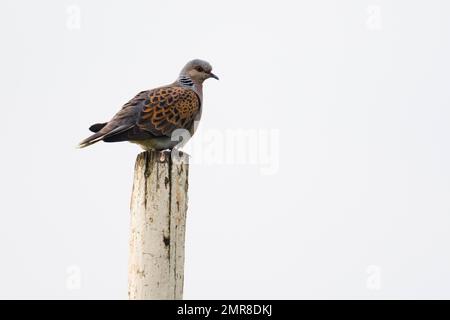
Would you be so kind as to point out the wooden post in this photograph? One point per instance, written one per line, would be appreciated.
(158, 222)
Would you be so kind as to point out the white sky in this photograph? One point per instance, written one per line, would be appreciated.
(349, 101)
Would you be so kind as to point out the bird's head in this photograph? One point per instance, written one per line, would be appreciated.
(198, 70)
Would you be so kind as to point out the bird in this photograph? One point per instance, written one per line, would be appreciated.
(160, 118)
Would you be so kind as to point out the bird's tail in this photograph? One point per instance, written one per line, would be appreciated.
(104, 132)
(96, 137)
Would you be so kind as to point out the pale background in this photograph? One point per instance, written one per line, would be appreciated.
(356, 94)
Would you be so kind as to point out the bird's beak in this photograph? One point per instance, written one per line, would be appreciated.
(212, 75)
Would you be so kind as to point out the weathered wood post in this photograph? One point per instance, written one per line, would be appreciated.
(158, 223)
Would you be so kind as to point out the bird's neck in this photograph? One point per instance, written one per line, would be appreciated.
(188, 82)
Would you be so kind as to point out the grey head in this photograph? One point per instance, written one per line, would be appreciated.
(198, 70)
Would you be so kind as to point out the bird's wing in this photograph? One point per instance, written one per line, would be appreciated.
(167, 109)
(128, 116)
(149, 114)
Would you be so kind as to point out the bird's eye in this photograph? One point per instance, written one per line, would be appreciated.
(199, 69)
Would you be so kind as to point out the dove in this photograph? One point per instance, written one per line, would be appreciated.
(156, 119)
